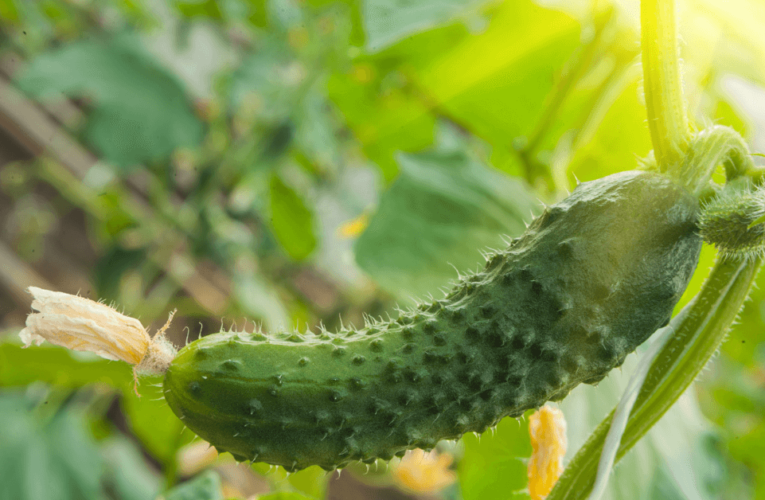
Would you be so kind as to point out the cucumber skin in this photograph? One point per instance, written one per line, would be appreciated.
(590, 280)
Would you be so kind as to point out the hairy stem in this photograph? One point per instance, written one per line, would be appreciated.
(677, 365)
(667, 116)
(716, 145)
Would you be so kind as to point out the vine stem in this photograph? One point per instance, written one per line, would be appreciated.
(667, 116)
(676, 366)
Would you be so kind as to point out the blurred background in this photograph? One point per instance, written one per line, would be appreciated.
(291, 162)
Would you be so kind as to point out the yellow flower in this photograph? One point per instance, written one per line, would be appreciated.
(195, 457)
(354, 227)
(548, 441)
(84, 325)
(424, 472)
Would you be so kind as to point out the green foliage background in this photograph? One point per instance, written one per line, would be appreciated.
(296, 162)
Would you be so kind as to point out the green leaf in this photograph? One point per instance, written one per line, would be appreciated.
(262, 81)
(383, 122)
(437, 216)
(311, 481)
(284, 495)
(206, 486)
(46, 456)
(110, 268)
(617, 141)
(493, 466)
(388, 21)
(291, 220)
(199, 8)
(152, 421)
(58, 367)
(316, 131)
(129, 474)
(149, 417)
(259, 299)
(141, 111)
(8, 11)
(496, 83)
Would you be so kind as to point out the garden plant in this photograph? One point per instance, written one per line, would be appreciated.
(662, 248)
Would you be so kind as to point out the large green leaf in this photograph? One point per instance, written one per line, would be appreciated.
(494, 464)
(617, 141)
(383, 122)
(311, 481)
(129, 474)
(46, 456)
(497, 83)
(388, 21)
(444, 208)
(263, 81)
(259, 299)
(148, 416)
(206, 486)
(285, 495)
(141, 111)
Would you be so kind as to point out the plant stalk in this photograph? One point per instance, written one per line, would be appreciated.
(667, 116)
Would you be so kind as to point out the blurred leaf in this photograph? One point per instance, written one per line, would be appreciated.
(437, 216)
(264, 83)
(317, 133)
(741, 47)
(49, 457)
(141, 111)
(259, 299)
(383, 123)
(206, 486)
(284, 495)
(311, 481)
(150, 419)
(57, 366)
(111, 266)
(388, 21)
(496, 83)
(291, 220)
(131, 478)
(284, 13)
(199, 8)
(8, 10)
(619, 139)
(493, 466)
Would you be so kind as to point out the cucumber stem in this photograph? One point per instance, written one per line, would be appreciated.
(716, 145)
(667, 116)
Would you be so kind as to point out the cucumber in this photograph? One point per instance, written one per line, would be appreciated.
(591, 279)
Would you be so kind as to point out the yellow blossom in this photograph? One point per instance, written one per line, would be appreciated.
(547, 428)
(84, 325)
(354, 227)
(423, 472)
(195, 457)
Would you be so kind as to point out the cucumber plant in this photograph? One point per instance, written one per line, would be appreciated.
(590, 280)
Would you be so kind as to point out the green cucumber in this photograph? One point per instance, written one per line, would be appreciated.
(591, 279)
